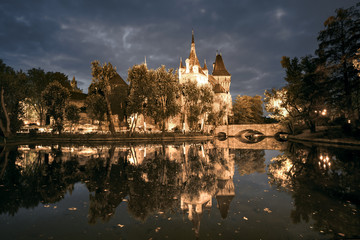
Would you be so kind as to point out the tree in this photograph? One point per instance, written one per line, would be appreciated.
(304, 98)
(338, 43)
(276, 103)
(72, 113)
(102, 75)
(248, 109)
(12, 92)
(140, 88)
(216, 116)
(162, 100)
(38, 80)
(305, 89)
(54, 97)
(356, 62)
(96, 107)
(197, 102)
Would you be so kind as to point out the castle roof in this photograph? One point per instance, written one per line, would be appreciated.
(205, 66)
(219, 67)
(211, 80)
(224, 204)
(192, 57)
(117, 81)
(181, 63)
(218, 89)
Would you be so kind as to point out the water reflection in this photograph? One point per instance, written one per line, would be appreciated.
(325, 186)
(183, 179)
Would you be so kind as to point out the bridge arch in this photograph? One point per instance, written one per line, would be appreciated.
(266, 129)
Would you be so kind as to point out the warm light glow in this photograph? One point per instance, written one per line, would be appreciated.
(324, 161)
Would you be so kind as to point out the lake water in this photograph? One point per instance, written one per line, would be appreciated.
(203, 190)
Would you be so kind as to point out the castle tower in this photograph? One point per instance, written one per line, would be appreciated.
(222, 87)
(220, 73)
(192, 71)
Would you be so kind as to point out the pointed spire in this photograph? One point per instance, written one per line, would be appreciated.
(193, 58)
(193, 39)
(181, 63)
(145, 62)
(205, 67)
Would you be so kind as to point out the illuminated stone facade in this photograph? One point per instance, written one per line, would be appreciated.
(219, 80)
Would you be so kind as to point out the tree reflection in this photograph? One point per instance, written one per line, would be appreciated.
(28, 179)
(249, 161)
(154, 186)
(313, 175)
(107, 185)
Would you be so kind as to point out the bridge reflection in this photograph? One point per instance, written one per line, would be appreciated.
(160, 179)
(267, 143)
(186, 175)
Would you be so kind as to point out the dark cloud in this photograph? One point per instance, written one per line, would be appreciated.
(252, 36)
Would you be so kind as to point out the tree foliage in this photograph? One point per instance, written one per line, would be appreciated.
(216, 116)
(162, 99)
(96, 107)
(248, 109)
(72, 114)
(338, 44)
(139, 89)
(38, 80)
(356, 62)
(101, 76)
(197, 103)
(54, 97)
(304, 98)
(12, 92)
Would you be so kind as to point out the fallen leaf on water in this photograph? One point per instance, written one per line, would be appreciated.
(341, 234)
(266, 190)
(267, 210)
(245, 218)
(124, 200)
(119, 225)
(55, 207)
(72, 209)
(46, 206)
(157, 229)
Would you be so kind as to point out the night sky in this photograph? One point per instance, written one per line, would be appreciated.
(252, 36)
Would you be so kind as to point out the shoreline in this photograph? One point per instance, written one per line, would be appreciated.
(100, 138)
(325, 138)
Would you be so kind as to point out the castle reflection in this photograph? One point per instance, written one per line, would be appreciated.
(151, 178)
(190, 178)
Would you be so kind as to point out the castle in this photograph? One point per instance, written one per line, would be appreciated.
(219, 80)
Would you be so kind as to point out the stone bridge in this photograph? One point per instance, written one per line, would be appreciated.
(268, 143)
(236, 130)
